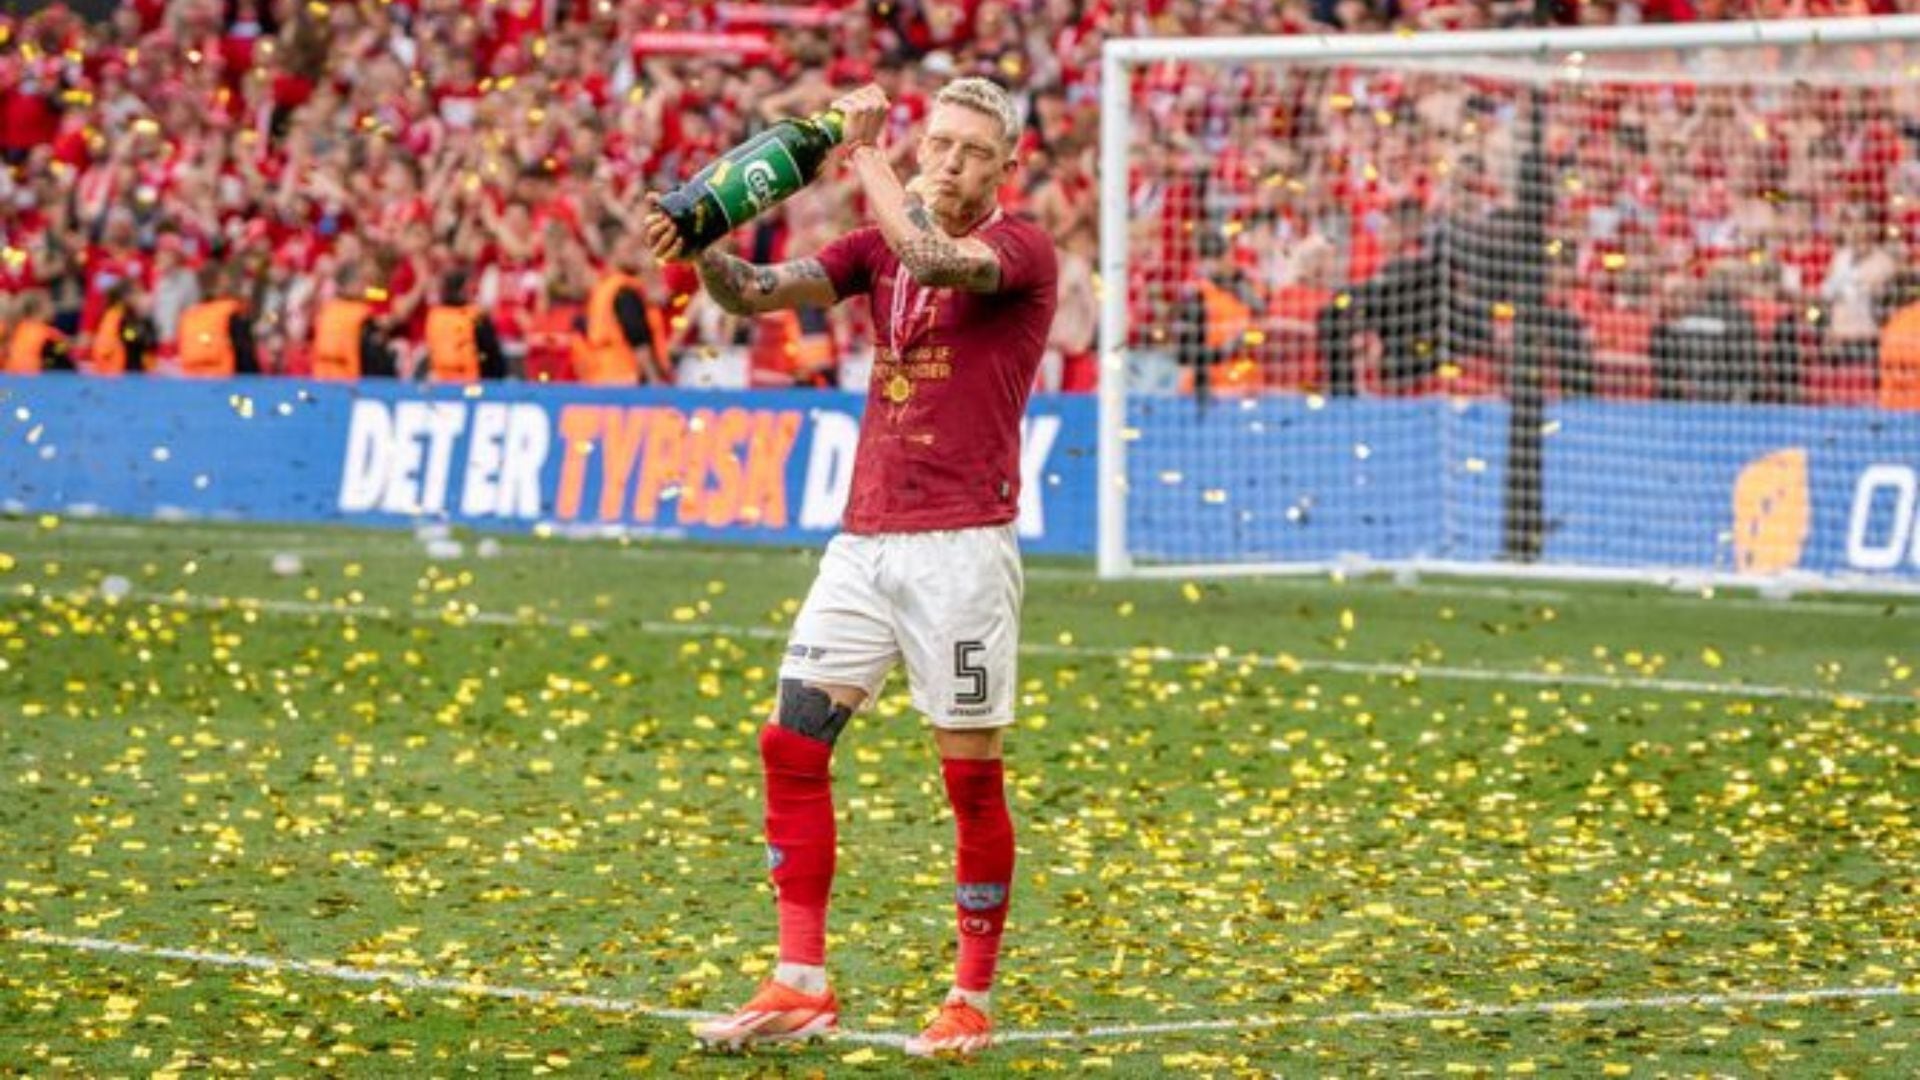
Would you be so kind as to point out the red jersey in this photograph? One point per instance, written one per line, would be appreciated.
(940, 441)
(104, 268)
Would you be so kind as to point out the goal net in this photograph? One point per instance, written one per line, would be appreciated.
(1623, 303)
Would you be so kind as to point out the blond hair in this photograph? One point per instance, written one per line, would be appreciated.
(984, 96)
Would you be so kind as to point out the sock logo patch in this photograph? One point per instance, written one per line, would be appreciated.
(984, 897)
(775, 857)
(976, 925)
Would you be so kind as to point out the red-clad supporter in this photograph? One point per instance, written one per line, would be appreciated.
(30, 87)
(1070, 363)
(514, 138)
(555, 337)
(114, 259)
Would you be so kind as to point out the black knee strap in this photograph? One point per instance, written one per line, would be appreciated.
(807, 710)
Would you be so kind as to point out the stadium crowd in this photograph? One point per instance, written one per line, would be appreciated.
(451, 189)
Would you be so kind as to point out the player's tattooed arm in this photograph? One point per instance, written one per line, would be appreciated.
(729, 280)
(744, 288)
(935, 258)
(929, 253)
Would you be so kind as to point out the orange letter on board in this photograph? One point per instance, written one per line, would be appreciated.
(693, 471)
(579, 424)
(666, 432)
(772, 443)
(725, 507)
(621, 445)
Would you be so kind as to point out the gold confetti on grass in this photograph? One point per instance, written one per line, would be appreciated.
(515, 805)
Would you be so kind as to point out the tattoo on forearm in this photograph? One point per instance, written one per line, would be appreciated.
(937, 261)
(727, 280)
(933, 258)
(739, 286)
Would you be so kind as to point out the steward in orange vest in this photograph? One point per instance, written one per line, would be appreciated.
(622, 327)
(216, 335)
(462, 345)
(124, 340)
(216, 341)
(348, 343)
(793, 348)
(1900, 346)
(34, 345)
(1210, 330)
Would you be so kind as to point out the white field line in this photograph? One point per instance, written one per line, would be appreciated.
(1562, 1008)
(411, 981)
(318, 544)
(1156, 655)
(344, 973)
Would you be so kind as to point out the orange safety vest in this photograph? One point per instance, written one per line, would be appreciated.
(336, 339)
(206, 345)
(814, 353)
(1228, 317)
(1228, 320)
(609, 359)
(555, 350)
(110, 344)
(776, 338)
(1293, 353)
(1900, 360)
(783, 349)
(29, 341)
(453, 350)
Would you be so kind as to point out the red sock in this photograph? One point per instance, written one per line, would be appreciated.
(983, 866)
(800, 839)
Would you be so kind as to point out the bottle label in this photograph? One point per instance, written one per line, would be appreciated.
(745, 189)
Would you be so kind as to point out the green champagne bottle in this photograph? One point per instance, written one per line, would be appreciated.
(751, 179)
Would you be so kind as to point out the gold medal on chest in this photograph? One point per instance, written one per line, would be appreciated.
(899, 389)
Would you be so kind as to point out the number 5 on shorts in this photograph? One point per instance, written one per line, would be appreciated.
(973, 677)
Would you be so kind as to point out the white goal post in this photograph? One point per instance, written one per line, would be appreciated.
(1623, 303)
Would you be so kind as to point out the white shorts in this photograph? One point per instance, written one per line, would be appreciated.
(945, 603)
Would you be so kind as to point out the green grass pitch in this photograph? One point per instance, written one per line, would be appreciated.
(392, 815)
